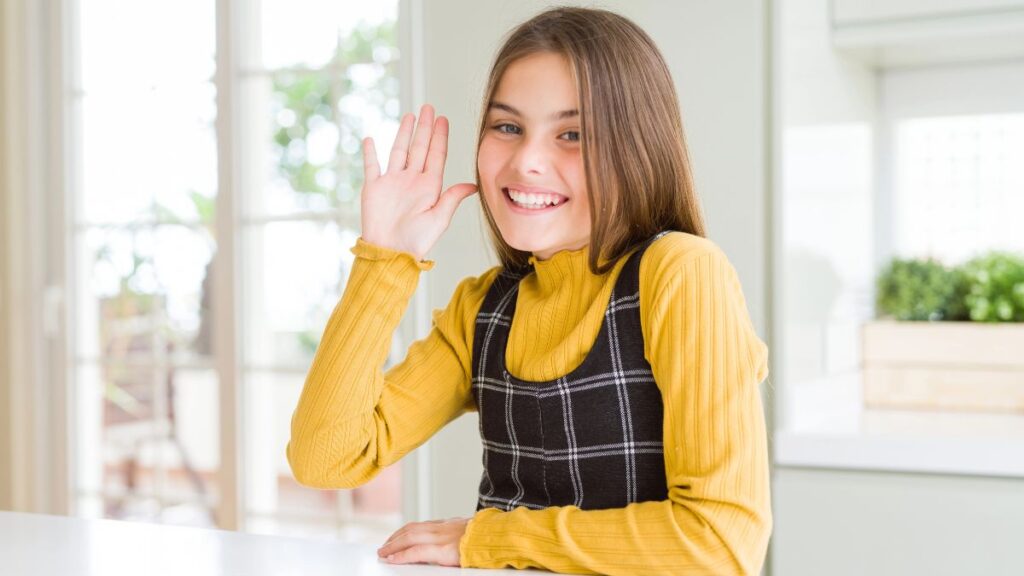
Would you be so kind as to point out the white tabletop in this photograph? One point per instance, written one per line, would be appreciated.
(43, 545)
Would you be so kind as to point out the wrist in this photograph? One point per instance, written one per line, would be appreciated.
(372, 250)
(381, 243)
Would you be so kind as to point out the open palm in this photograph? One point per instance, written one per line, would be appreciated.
(404, 209)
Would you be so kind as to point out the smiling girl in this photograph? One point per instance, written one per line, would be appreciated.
(610, 355)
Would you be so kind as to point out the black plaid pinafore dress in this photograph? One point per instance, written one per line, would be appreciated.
(590, 439)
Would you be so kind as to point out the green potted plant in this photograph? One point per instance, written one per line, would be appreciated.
(948, 338)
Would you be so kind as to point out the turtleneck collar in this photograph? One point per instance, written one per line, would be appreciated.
(563, 268)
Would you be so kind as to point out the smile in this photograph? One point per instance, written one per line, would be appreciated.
(538, 208)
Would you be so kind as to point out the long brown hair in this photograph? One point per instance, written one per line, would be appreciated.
(636, 163)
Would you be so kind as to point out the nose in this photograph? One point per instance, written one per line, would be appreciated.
(531, 156)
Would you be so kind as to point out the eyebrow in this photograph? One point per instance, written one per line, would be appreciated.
(556, 116)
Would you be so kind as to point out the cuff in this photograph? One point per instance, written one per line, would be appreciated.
(471, 553)
(364, 249)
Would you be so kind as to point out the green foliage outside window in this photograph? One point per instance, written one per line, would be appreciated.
(306, 100)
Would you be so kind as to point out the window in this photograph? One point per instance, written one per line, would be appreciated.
(951, 145)
(313, 78)
(958, 185)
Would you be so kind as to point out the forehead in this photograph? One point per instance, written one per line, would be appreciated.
(538, 85)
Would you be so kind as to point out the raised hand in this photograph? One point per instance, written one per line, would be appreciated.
(404, 208)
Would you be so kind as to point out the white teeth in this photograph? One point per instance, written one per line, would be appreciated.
(533, 200)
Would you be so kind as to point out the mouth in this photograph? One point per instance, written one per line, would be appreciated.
(549, 203)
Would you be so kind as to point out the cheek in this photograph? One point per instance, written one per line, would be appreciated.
(488, 164)
(582, 214)
(488, 157)
(573, 170)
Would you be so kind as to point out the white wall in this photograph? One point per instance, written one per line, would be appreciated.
(717, 58)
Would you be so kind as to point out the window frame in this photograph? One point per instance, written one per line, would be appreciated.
(38, 461)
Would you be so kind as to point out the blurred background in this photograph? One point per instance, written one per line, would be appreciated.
(179, 190)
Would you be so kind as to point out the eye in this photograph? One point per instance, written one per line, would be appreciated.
(498, 128)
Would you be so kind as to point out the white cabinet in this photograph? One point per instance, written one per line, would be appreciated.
(844, 523)
(847, 12)
(901, 33)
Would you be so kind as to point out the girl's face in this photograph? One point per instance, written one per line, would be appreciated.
(531, 152)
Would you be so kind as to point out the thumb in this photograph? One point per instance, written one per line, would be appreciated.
(454, 196)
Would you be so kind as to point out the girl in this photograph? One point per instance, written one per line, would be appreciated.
(610, 356)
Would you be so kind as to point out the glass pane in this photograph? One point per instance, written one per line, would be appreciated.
(369, 106)
(194, 458)
(270, 488)
(122, 410)
(146, 124)
(301, 160)
(137, 456)
(143, 310)
(306, 33)
(161, 276)
(294, 274)
(313, 121)
(277, 504)
(145, 151)
(958, 183)
(161, 52)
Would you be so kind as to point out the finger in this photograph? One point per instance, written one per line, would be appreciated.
(371, 168)
(410, 538)
(428, 553)
(400, 532)
(449, 202)
(391, 538)
(405, 529)
(420, 142)
(400, 149)
(438, 148)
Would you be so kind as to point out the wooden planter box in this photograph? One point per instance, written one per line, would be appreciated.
(972, 366)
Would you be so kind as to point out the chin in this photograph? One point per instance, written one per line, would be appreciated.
(526, 242)
(522, 241)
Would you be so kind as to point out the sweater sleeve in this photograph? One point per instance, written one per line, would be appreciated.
(352, 419)
(708, 362)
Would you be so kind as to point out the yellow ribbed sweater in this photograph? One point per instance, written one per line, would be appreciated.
(353, 419)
